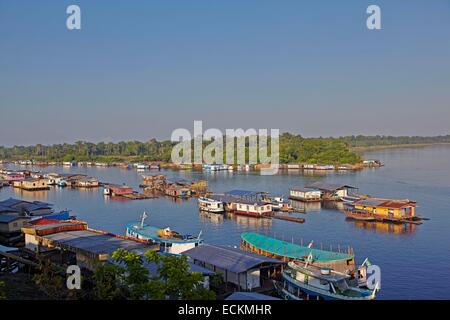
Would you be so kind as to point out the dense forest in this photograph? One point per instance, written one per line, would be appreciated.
(372, 141)
(293, 149)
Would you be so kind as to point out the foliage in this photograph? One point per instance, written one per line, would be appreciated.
(2, 291)
(130, 278)
(107, 282)
(50, 281)
(293, 149)
(369, 141)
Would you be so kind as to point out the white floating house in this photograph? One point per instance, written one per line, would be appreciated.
(306, 195)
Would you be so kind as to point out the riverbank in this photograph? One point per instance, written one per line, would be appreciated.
(397, 146)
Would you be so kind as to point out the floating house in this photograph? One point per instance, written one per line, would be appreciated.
(305, 195)
(210, 205)
(376, 209)
(31, 184)
(243, 271)
(324, 167)
(250, 208)
(87, 182)
(177, 191)
(154, 182)
(35, 208)
(331, 191)
(117, 190)
(11, 177)
(372, 163)
(246, 202)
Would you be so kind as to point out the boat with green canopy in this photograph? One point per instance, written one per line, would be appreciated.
(289, 251)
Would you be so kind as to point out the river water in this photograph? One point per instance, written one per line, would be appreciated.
(414, 260)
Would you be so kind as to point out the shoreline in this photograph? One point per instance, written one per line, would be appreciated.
(398, 146)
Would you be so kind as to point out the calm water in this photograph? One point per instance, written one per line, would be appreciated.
(414, 260)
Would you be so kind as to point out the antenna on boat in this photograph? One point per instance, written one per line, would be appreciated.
(144, 216)
(200, 234)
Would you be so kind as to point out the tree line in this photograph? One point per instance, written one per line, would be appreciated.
(293, 149)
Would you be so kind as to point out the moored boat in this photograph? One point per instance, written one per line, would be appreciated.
(302, 281)
(170, 241)
(210, 205)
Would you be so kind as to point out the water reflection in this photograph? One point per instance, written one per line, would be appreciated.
(214, 218)
(305, 207)
(249, 222)
(35, 195)
(384, 227)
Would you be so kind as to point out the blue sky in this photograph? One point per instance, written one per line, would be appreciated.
(140, 69)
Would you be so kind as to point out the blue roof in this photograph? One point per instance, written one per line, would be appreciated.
(242, 193)
(227, 258)
(7, 209)
(235, 199)
(6, 218)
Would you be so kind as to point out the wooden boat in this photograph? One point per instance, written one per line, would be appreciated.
(303, 281)
(210, 205)
(171, 242)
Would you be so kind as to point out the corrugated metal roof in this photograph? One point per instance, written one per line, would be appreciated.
(385, 203)
(231, 199)
(7, 218)
(328, 186)
(300, 189)
(233, 260)
(242, 193)
(96, 243)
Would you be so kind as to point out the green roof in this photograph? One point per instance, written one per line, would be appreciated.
(291, 250)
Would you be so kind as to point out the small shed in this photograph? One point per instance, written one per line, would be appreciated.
(243, 270)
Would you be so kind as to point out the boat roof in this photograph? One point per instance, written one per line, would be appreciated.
(304, 189)
(292, 250)
(328, 186)
(244, 193)
(151, 232)
(227, 258)
(316, 272)
(7, 218)
(386, 203)
(231, 199)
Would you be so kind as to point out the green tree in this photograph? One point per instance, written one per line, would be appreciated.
(2, 291)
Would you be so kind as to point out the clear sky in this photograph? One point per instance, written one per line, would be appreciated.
(140, 69)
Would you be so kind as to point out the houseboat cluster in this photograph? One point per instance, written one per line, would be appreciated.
(177, 189)
(262, 266)
(359, 207)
